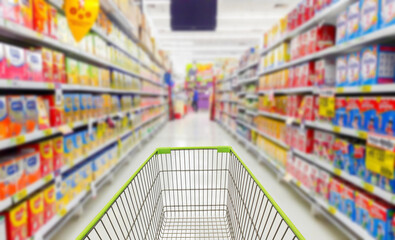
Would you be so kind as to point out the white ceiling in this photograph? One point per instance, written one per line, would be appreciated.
(240, 25)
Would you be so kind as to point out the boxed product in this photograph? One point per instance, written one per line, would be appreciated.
(68, 150)
(11, 168)
(341, 71)
(84, 113)
(47, 60)
(58, 67)
(76, 110)
(369, 118)
(49, 203)
(56, 110)
(377, 64)
(32, 166)
(353, 109)
(17, 222)
(45, 150)
(52, 21)
(26, 13)
(341, 28)
(4, 119)
(16, 112)
(387, 13)
(77, 144)
(16, 66)
(35, 206)
(34, 65)
(57, 144)
(72, 71)
(68, 107)
(83, 73)
(353, 63)
(323, 36)
(381, 215)
(386, 116)
(43, 113)
(386, 183)
(31, 114)
(359, 156)
(40, 16)
(325, 73)
(335, 193)
(342, 154)
(348, 199)
(341, 116)
(363, 203)
(11, 10)
(369, 16)
(353, 16)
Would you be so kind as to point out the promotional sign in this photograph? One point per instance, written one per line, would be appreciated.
(81, 15)
(380, 155)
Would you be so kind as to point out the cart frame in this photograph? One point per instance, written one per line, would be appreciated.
(220, 149)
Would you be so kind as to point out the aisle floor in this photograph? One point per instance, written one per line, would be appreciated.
(196, 130)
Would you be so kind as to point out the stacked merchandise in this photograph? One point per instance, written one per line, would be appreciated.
(321, 107)
(76, 110)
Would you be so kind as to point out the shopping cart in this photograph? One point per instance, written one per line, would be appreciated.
(192, 193)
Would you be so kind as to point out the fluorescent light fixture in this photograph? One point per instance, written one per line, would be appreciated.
(231, 17)
(209, 36)
(206, 48)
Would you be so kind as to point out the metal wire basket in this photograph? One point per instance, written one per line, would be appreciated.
(192, 193)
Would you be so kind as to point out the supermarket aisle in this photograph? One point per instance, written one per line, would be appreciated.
(197, 130)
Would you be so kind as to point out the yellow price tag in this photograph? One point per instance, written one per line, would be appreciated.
(337, 129)
(337, 171)
(20, 195)
(298, 183)
(362, 134)
(71, 124)
(50, 85)
(380, 161)
(326, 106)
(20, 140)
(366, 88)
(48, 178)
(332, 210)
(368, 187)
(63, 212)
(340, 90)
(47, 132)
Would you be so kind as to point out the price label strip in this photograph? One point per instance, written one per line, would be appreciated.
(380, 155)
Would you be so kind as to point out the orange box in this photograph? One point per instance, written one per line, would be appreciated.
(40, 16)
(35, 207)
(49, 203)
(57, 144)
(11, 168)
(47, 59)
(32, 166)
(58, 67)
(4, 119)
(31, 116)
(16, 113)
(52, 22)
(17, 223)
(26, 13)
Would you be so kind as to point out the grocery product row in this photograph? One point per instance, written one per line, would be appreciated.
(41, 211)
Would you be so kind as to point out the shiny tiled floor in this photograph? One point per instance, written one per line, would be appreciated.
(197, 130)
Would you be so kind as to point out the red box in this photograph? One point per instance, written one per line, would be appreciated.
(323, 182)
(36, 213)
(52, 22)
(49, 203)
(45, 149)
(40, 16)
(56, 110)
(17, 222)
(306, 140)
(58, 67)
(26, 13)
(322, 37)
(47, 65)
(57, 152)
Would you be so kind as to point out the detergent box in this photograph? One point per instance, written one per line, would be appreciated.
(363, 203)
(387, 12)
(57, 144)
(386, 116)
(17, 222)
(377, 64)
(49, 203)
(368, 110)
(353, 16)
(348, 199)
(341, 27)
(16, 112)
(353, 63)
(32, 166)
(68, 150)
(341, 115)
(335, 193)
(34, 66)
(35, 206)
(72, 71)
(353, 109)
(11, 168)
(370, 17)
(341, 71)
(381, 215)
(47, 60)
(16, 66)
(31, 116)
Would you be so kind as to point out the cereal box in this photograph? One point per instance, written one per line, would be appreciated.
(17, 222)
(11, 168)
(348, 199)
(43, 113)
(35, 213)
(323, 183)
(16, 67)
(381, 215)
(72, 71)
(341, 116)
(341, 71)
(76, 107)
(77, 144)
(325, 73)
(353, 16)
(341, 27)
(335, 193)
(26, 13)
(40, 16)
(11, 10)
(386, 116)
(56, 110)
(370, 16)
(363, 203)
(4, 119)
(16, 113)
(49, 203)
(353, 62)
(57, 144)
(342, 154)
(350, 163)
(68, 107)
(353, 109)
(34, 65)
(68, 149)
(86, 143)
(368, 110)
(377, 64)
(387, 12)
(58, 67)
(46, 155)
(83, 73)
(52, 22)
(32, 166)
(31, 116)
(83, 106)
(47, 64)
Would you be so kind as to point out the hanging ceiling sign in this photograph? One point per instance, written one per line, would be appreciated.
(81, 15)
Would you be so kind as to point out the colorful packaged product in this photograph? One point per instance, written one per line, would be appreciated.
(368, 111)
(363, 203)
(341, 116)
(342, 154)
(45, 149)
(68, 107)
(52, 22)
(16, 112)
(381, 215)
(341, 28)
(370, 16)
(11, 168)
(325, 73)
(77, 144)
(11, 10)
(353, 109)
(341, 71)
(47, 64)
(43, 113)
(16, 67)
(72, 71)
(83, 106)
(377, 64)
(4, 119)
(353, 16)
(68, 150)
(34, 66)
(76, 107)
(56, 110)
(17, 222)
(387, 13)
(335, 194)
(57, 144)
(83, 73)
(323, 183)
(35, 213)
(386, 116)
(350, 162)
(348, 199)
(26, 13)
(32, 166)
(359, 156)
(49, 203)
(31, 116)
(353, 63)
(40, 16)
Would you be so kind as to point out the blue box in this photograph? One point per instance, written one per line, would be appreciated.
(353, 69)
(382, 215)
(348, 199)
(353, 111)
(387, 16)
(335, 194)
(341, 28)
(353, 16)
(386, 116)
(377, 64)
(341, 71)
(368, 109)
(340, 118)
(362, 206)
(351, 164)
(341, 153)
(369, 16)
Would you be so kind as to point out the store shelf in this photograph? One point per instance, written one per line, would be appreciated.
(326, 14)
(247, 80)
(242, 93)
(226, 79)
(248, 66)
(380, 88)
(251, 112)
(229, 114)
(339, 130)
(288, 91)
(229, 101)
(273, 115)
(251, 96)
(148, 120)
